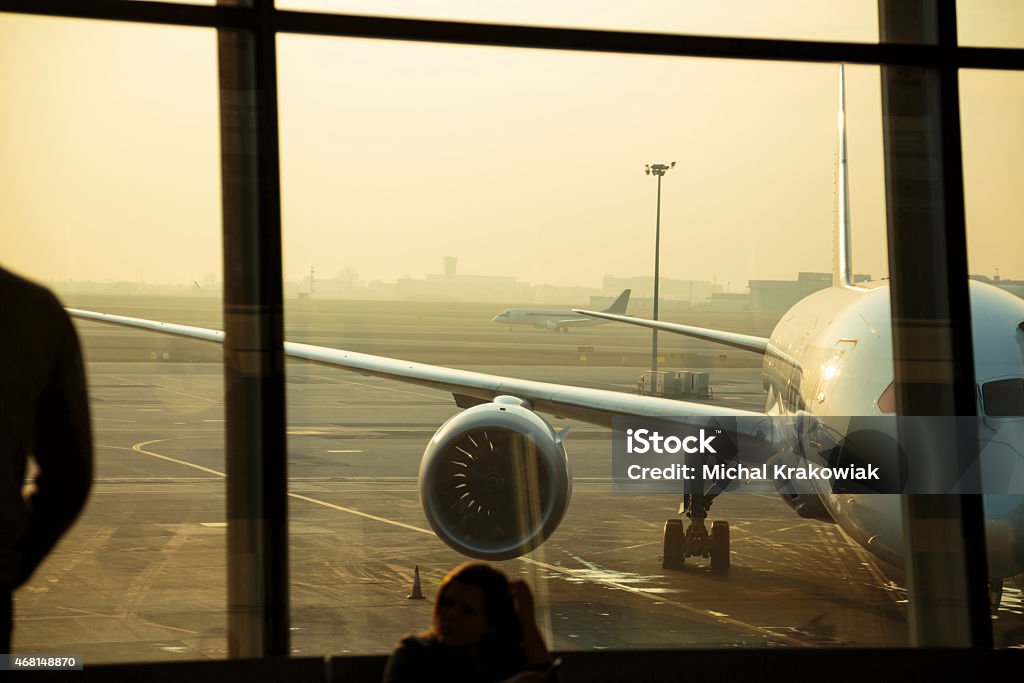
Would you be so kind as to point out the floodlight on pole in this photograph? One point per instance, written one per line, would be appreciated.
(658, 170)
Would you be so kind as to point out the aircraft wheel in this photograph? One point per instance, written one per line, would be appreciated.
(720, 547)
(674, 545)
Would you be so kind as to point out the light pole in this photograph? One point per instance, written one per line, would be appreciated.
(656, 170)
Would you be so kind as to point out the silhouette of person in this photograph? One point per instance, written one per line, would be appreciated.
(484, 630)
(44, 414)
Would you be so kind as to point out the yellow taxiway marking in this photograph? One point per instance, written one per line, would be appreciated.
(141, 448)
(641, 592)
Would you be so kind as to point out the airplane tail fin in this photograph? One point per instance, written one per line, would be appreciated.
(842, 268)
(619, 305)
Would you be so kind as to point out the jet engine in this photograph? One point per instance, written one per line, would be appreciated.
(495, 481)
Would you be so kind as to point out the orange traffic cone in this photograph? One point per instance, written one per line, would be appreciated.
(417, 592)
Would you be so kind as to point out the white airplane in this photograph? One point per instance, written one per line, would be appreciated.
(842, 366)
(557, 321)
(495, 481)
(831, 356)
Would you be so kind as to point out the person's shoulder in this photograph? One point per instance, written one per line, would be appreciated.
(16, 284)
(411, 660)
(415, 647)
(417, 642)
(16, 290)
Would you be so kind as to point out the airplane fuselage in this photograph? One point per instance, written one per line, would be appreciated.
(841, 339)
(555, 320)
(544, 318)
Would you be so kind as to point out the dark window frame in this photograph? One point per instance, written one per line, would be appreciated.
(265, 18)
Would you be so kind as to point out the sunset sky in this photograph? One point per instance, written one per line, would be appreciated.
(524, 163)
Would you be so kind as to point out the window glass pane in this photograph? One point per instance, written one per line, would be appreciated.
(990, 102)
(845, 20)
(990, 23)
(427, 189)
(990, 106)
(109, 159)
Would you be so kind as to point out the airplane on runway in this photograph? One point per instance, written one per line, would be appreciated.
(495, 481)
(557, 321)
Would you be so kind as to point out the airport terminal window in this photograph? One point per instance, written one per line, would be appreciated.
(990, 23)
(452, 151)
(108, 157)
(424, 189)
(992, 147)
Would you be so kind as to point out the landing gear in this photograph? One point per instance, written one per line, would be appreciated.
(695, 541)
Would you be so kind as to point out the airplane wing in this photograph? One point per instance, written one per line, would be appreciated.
(488, 440)
(595, 406)
(744, 342)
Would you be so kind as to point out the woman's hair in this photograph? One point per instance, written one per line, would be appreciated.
(503, 625)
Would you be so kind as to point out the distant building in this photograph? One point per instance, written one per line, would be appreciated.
(730, 301)
(780, 295)
(450, 264)
(668, 288)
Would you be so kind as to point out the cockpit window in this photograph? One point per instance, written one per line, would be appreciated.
(1003, 397)
(887, 401)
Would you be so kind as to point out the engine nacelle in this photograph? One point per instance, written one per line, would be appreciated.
(495, 481)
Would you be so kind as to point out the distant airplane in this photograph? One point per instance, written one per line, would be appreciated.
(557, 321)
(495, 481)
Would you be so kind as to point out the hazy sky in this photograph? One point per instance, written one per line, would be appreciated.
(518, 162)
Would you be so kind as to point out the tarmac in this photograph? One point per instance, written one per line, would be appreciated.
(141, 576)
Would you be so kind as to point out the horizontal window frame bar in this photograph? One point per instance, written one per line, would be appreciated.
(165, 13)
(520, 36)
